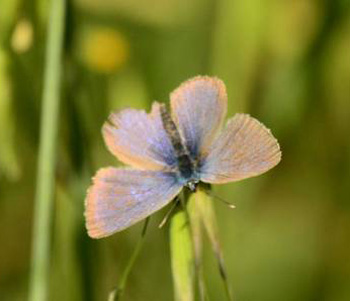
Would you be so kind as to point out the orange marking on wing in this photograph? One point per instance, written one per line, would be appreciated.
(94, 226)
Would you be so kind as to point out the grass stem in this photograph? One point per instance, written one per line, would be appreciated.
(39, 277)
(117, 293)
(182, 254)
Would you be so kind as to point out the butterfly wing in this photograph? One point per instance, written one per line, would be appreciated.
(244, 149)
(139, 139)
(198, 108)
(120, 198)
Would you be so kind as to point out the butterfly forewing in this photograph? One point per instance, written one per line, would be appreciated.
(244, 149)
(120, 198)
(198, 108)
(139, 139)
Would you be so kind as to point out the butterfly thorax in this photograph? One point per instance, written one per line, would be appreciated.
(185, 164)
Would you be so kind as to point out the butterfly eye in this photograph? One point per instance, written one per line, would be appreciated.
(192, 185)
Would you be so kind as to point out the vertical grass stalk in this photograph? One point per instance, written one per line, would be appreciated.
(116, 295)
(204, 206)
(182, 256)
(39, 277)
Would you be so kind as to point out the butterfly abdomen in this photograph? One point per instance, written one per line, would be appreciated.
(185, 163)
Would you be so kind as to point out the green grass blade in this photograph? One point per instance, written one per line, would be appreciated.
(39, 278)
(182, 256)
(204, 205)
(116, 294)
(197, 238)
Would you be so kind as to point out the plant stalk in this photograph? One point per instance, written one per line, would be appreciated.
(116, 295)
(39, 277)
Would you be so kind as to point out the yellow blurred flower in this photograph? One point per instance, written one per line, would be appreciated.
(22, 36)
(103, 49)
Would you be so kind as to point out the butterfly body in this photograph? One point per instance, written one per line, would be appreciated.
(169, 151)
(186, 165)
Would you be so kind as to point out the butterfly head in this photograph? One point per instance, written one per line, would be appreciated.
(192, 184)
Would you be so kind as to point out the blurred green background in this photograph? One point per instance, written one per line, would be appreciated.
(286, 62)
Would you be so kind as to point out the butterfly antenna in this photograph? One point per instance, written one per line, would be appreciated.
(167, 215)
(212, 194)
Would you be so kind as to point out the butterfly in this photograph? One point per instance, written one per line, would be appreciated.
(169, 151)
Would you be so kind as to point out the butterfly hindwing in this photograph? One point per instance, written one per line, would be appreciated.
(244, 149)
(198, 108)
(120, 198)
(139, 139)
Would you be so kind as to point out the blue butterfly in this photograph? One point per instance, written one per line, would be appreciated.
(169, 151)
